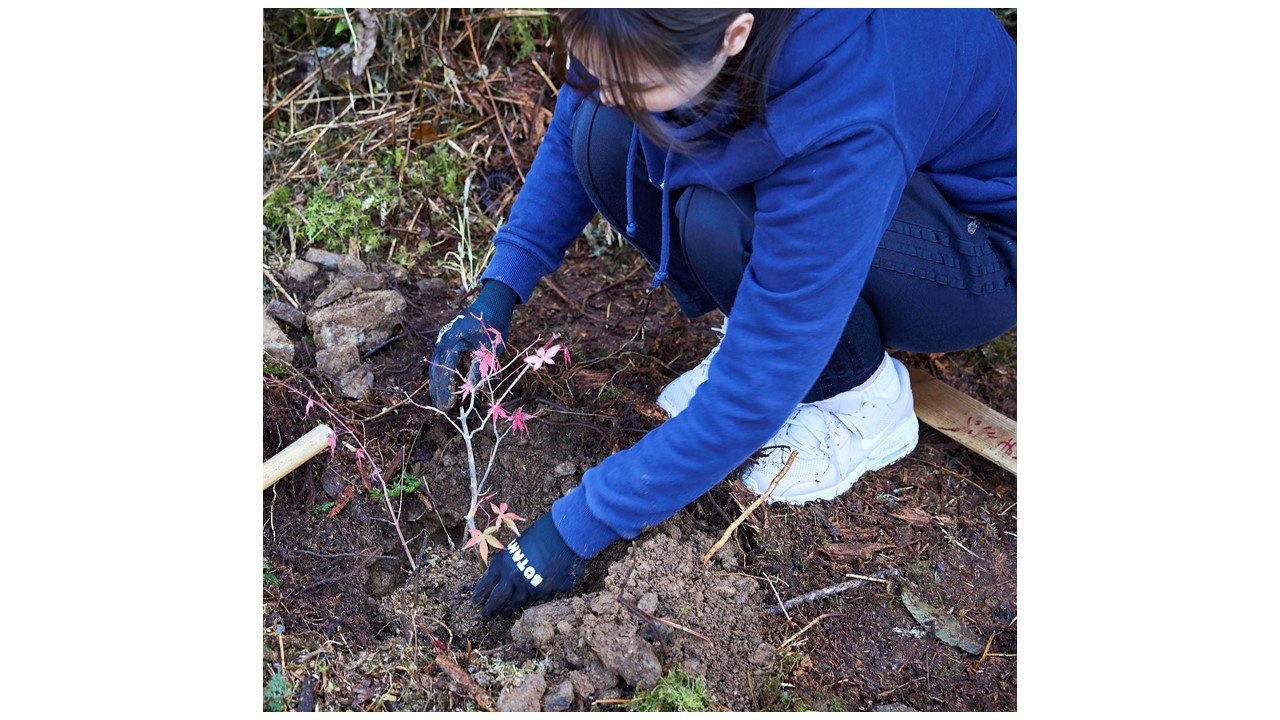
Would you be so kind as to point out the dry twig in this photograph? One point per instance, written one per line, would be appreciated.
(828, 591)
(804, 629)
(773, 485)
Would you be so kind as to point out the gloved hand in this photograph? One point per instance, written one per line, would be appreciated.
(465, 334)
(533, 569)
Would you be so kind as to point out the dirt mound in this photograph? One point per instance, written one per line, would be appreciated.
(600, 645)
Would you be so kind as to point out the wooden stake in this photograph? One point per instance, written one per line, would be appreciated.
(965, 420)
(298, 452)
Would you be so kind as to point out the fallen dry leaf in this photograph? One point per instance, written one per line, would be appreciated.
(848, 552)
(913, 516)
(943, 625)
(341, 501)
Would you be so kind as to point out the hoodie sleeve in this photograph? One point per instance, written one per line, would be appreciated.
(818, 222)
(550, 211)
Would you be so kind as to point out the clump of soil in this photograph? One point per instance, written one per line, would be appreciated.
(605, 649)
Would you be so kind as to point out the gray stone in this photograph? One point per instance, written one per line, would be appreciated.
(335, 361)
(286, 313)
(396, 272)
(629, 657)
(763, 655)
(559, 698)
(356, 383)
(340, 288)
(523, 694)
(648, 602)
(369, 281)
(275, 344)
(363, 320)
(300, 271)
(351, 266)
(582, 684)
(432, 286)
(323, 258)
(893, 707)
(565, 469)
(332, 482)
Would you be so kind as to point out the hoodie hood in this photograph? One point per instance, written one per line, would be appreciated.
(808, 42)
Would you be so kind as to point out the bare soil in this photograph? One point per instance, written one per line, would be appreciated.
(361, 631)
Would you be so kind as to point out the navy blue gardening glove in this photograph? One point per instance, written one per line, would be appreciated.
(532, 569)
(465, 334)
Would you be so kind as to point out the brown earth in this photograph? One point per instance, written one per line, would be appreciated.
(363, 628)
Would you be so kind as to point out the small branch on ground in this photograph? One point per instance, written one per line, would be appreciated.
(828, 591)
(773, 485)
(466, 682)
(805, 629)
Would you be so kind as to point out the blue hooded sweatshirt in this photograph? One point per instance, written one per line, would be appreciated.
(859, 100)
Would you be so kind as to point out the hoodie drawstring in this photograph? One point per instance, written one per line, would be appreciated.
(631, 168)
(666, 227)
(664, 257)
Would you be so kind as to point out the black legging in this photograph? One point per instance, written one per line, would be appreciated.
(940, 280)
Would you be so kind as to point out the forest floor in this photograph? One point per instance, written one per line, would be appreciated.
(365, 598)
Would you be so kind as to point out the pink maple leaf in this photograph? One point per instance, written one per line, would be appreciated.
(497, 411)
(518, 419)
(543, 356)
(502, 515)
(488, 361)
(481, 541)
(466, 388)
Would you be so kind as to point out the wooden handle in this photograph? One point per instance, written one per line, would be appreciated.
(298, 452)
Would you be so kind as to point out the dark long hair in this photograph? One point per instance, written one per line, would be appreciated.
(626, 44)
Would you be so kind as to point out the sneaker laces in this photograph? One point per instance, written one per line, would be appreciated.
(809, 428)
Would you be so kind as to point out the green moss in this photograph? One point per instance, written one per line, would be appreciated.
(277, 694)
(525, 30)
(677, 691)
(442, 172)
(332, 220)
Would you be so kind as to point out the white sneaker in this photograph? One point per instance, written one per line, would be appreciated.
(675, 397)
(840, 438)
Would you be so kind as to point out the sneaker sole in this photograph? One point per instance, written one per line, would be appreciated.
(892, 448)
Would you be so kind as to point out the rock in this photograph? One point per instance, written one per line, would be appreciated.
(323, 258)
(332, 482)
(629, 657)
(286, 313)
(341, 288)
(300, 271)
(565, 469)
(559, 698)
(582, 684)
(604, 604)
(369, 281)
(763, 655)
(363, 320)
(396, 272)
(432, 286)
(351, 266)
(536, 626)
(648, 602)
(275, 344)
(356, 383)
(336, 361)
(893, 707)
(523, 694)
